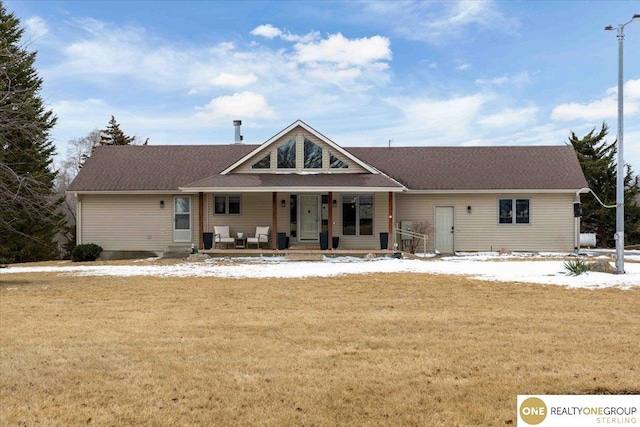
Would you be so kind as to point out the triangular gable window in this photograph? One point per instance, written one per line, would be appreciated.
(312, 155)
(287, 154)
(265, 163)
(336, 163)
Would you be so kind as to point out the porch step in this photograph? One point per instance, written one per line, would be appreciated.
(305, 247)
(304, 257)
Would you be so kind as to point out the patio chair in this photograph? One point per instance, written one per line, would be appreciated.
(221, 235)
(261, 236)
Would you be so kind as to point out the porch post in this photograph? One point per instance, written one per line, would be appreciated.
(330, 219)
(201, 219)
(274, 220)
(392, 236)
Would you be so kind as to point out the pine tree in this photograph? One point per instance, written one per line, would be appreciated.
(599, 165)
(113, 135)
(28, 222)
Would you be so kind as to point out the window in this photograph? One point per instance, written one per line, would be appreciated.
(357, 215)
(506, 214)
(226, 204)
(312, 155)
(287, 154)
(265, 163)
(336, 163)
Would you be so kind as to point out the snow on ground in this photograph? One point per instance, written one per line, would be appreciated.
(543, 269)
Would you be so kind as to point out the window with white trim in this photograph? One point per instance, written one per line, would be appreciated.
(513, 211)
(226, 204)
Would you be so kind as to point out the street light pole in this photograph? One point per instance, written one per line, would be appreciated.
(619, 237)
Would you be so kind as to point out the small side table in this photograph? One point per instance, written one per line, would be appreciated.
(241, 242)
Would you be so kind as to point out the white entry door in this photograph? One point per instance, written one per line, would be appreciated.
(309, 224)
(444, 229)
(182, 219)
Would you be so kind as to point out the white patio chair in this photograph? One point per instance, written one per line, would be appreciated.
(221, 235)
(261, 236)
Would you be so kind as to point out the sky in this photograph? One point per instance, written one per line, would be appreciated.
(545, 269)
(454, 73)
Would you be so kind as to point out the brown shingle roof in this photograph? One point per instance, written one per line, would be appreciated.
(478, 168)
(154, 167)
(169, 167)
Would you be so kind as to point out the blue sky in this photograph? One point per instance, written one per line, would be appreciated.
(362, 73)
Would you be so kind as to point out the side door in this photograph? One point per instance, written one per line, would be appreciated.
(182, 219)
(444, 229)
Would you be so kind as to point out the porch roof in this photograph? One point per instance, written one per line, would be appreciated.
(299, 182)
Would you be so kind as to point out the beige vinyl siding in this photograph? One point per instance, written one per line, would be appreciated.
(255, 210)
(300, 133)
(132, 222)
(551, 222)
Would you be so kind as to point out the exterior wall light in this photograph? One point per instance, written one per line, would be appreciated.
(468, 209)
(161, 204)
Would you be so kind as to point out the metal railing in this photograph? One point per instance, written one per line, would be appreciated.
(402, 234)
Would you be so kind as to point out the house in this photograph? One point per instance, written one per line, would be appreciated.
(141, 199)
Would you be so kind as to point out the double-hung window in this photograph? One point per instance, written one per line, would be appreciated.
(357, 215)
(513, 211)
(223, 204)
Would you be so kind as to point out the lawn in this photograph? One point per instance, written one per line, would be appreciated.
(383, 349)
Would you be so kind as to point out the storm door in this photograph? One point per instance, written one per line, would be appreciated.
(309, 218)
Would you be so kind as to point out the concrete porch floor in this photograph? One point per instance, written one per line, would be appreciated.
(295, 254)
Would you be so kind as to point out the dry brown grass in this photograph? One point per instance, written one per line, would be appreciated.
(398, 349)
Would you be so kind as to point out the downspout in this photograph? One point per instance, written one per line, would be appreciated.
(201, 219)
(391, 231)
(330, 219)
(78, 219)
(274, 221)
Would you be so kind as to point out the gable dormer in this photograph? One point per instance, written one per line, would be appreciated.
(299, 149)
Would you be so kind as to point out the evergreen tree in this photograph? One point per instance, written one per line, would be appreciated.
(599, 165)
(113, 135)
(28, 219)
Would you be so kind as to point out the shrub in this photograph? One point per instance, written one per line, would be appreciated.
(576, 267)
(86, 252)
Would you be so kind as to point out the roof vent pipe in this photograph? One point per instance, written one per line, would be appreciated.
(238, 137)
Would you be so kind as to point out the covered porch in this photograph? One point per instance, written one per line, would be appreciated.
(298, 220)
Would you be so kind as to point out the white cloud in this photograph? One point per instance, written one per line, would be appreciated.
(510, 117)
(266, 30)
(439, 22)
(345, 52)
(449, 118)
(603, 108)
(270, 32)
(234, 80)
(242, 104)
(463, 67)
(36, 27)
(517, 79)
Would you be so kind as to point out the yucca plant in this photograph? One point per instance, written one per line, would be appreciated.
(576, 267)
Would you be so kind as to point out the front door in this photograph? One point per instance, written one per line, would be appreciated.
(182, 219)
(309, 224)
(444, 229)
